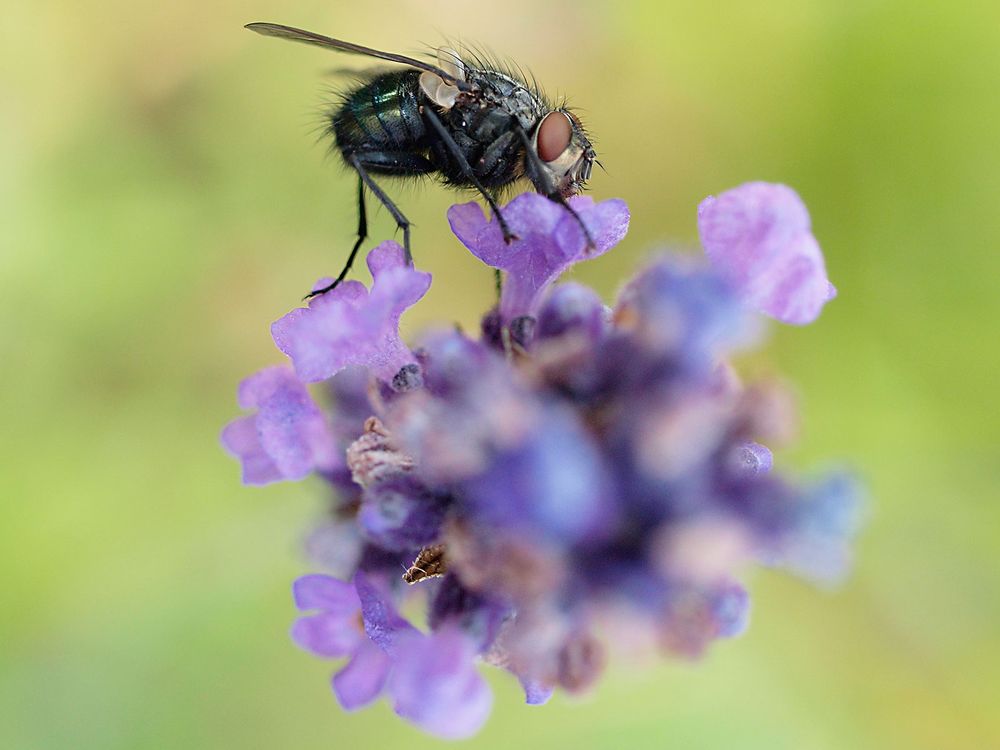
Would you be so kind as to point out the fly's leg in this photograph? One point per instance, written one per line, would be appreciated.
(362, 233)
(384, 161)
(401, 221)
(467, 172)
(538, 174)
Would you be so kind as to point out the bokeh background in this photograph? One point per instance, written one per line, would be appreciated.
(163, 198)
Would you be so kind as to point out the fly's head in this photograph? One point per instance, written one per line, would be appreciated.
(565, 152)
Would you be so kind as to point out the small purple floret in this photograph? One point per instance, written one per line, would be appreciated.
(352, 326)
(549, 241)
(752, 459)
(825, 523)
(288, 437)
(336, 630)
(435, 684)
(758, 236)
(535, 693)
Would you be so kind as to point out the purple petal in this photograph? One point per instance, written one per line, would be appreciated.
(337, 629)
(758, 237)
(751, 459)
(361, 681)
(328, 634)
(434, 683)
(383, 623)
(731, 608)
(826, 520)
(535, 693)
(288, 438)
(549, 241)
(240, 439)
(530, 216)
(350, 326)
(325, 592)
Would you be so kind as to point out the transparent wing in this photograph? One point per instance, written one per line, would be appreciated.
(318, 40)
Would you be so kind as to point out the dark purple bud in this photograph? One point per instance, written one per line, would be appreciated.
(572, 308)
(409, 378)
(522, 331)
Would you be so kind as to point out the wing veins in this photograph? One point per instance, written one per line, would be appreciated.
(319, 40)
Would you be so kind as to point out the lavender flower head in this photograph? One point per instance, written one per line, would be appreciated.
(574, 473)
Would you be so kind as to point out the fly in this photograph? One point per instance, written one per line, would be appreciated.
(463, 120)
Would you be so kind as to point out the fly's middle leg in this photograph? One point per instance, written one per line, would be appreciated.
(467, 173)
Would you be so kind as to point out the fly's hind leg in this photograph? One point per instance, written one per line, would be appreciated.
(359, 162)
(362, 233)
(409, 164)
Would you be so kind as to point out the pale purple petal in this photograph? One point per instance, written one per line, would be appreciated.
(337, 629)
(240, 439)
(328, 634)
(361, 681)
(549, 241)
(758, 237)
(826, 520)
(288, 438)
(384, 625)
(731, 608)
(751, 459)
(535, 693)
(351, 326)
(325, 592)
(435, 684)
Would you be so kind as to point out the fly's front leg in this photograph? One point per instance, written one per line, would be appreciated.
(539, 175)
(463, 164)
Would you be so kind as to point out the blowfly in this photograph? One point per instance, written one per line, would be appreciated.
(471, 122)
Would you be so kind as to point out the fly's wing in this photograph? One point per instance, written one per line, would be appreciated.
(318, 40)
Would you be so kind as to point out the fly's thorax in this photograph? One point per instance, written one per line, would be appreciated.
(511, 96)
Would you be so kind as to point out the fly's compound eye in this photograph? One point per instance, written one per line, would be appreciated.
(554, 134)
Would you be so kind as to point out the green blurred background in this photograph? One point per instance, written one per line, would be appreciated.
(163, 199)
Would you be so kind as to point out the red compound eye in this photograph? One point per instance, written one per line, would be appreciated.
(553, 136)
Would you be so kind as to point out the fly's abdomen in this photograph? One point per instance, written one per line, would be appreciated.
(382, 117)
